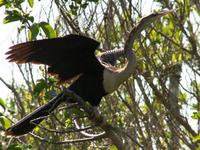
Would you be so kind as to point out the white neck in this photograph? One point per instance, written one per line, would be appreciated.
(112, 79)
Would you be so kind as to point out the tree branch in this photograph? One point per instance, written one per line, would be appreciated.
(68, 141)
(94, 115)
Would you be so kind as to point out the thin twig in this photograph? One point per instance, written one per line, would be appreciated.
(68, 141)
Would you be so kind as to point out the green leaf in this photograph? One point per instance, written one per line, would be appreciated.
(113, 147)
(196, 138)
(3, 104)
(30, 18)
(33, 32)
(84, 5)
(74, 9)
(68, 122)
(78, 1)
(182, 97)
(5, 122)
(17, 3)
(173, 58)
(31, 3)
(3, 2)
(39, 87)
(196, 115)
(197, 10)
(12, 16)
(14, 147)
(48, 30)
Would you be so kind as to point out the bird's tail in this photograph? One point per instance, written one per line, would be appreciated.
(29, 122)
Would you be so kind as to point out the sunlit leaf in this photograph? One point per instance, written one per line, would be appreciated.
(9, 19)
(196, 138)
(171, 25)
(68, 122)
(48, 30)
(33, 32)
(196, 115)
(31, 3)
(3, 2)
(186, 8)
(173, 57)
(182, 97)
(12, 16)
(180, 57)
(145, 108)
(5, 122)
(37, 129)
(113, 147)
(3, 104)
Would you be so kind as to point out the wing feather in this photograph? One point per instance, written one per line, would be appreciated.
(67, 57)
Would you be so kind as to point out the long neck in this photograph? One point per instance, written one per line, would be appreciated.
(112, 79)
(129, 69)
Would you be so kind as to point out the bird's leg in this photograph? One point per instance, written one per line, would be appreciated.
(96, 117)
(92, 112)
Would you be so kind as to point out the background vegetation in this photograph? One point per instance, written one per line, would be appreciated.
(157, 108)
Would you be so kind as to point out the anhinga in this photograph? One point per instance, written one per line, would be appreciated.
(73, 56)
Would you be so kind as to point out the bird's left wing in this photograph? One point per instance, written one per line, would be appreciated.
(67, 57)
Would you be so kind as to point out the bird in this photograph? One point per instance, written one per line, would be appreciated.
(72, 58)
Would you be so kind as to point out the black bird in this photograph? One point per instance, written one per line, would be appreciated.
(73, 57)
(69, 57)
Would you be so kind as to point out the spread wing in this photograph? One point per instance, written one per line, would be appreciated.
(67, 57)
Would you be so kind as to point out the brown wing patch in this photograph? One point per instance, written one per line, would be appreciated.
(20, 53)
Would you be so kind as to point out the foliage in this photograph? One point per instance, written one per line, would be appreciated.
(157, 108)
(15, 12)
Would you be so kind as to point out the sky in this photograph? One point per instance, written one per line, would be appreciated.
(7, 33)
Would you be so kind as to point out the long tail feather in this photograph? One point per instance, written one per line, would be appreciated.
(29, 122)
